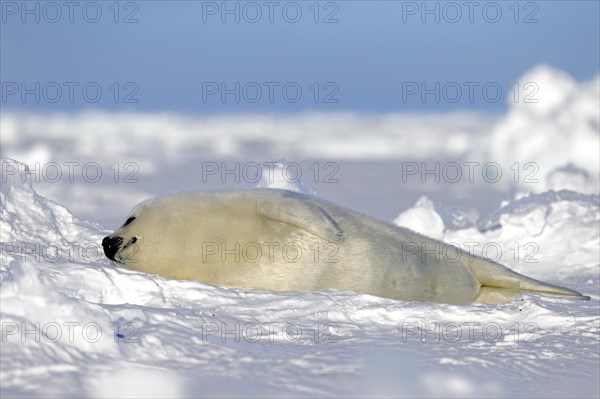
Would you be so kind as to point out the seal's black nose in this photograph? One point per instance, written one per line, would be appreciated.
(111, 245)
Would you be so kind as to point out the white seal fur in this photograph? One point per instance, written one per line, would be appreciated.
(280, 240)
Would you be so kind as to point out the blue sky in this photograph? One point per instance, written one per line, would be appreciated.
(373, 56)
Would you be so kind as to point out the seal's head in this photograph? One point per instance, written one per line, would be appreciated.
(150, 238)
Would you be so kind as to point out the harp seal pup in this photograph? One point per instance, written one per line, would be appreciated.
(279, 240)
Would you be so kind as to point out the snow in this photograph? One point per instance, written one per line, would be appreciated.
(551, 124)
(422, 218)
(557, 130)
(75, 325)
(61, 314)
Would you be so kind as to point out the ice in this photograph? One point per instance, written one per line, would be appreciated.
(546, 235)
(551, 125)
(422, 218)
(283, 175)
(557, 128)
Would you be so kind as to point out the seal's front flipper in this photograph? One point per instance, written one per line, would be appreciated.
(302, 213)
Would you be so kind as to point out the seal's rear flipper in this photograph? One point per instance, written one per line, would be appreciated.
(495, 296)
(494, 275)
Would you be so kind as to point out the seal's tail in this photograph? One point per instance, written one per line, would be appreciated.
(492, 274)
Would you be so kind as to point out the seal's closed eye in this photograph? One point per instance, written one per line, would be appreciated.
(131, 219)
